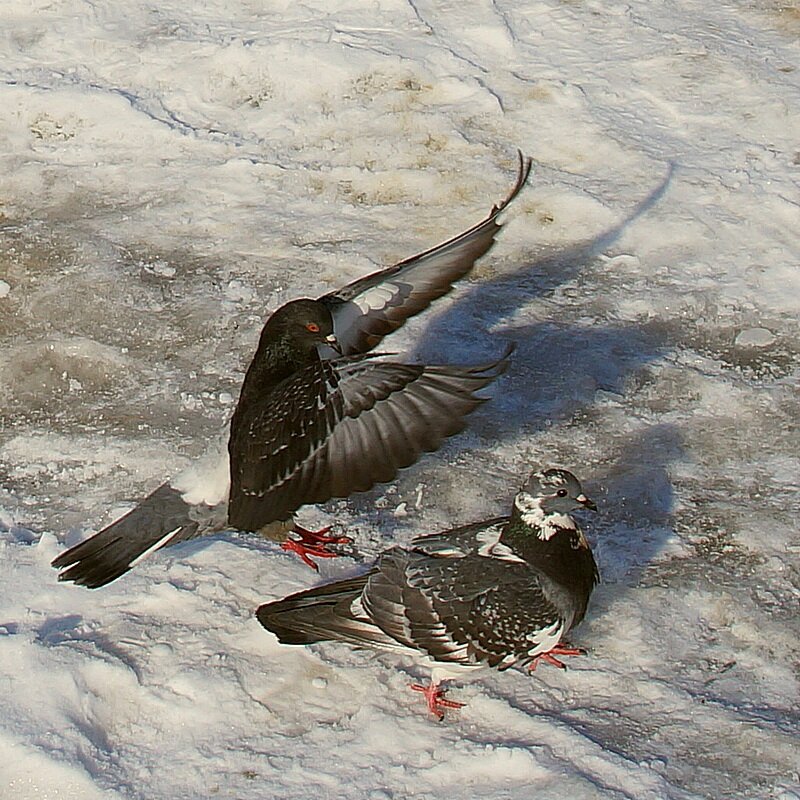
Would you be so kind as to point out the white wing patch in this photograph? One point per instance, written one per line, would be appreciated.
(492, 547)
(505, 553)
(488, 538)
(160, 543)
(545, 640)
(446, 552)
(378, 296)
(357, 610)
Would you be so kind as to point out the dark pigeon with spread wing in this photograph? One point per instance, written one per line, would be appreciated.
(495, 593)
(317, 416)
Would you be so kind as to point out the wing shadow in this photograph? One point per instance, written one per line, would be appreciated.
(559, 371)
(486, 303)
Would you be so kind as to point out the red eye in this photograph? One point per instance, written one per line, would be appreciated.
(312, 327)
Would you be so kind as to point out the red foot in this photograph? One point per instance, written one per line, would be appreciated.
(550, 656)
(434, 696)
(313, 543)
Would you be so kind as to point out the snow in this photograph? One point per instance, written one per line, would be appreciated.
(172, 172)
(755, 337)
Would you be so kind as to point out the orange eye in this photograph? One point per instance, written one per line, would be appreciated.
(312, 327)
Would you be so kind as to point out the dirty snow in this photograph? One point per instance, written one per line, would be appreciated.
(172, 172)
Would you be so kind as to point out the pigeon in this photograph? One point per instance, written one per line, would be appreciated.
(318, 416)
(496, 593)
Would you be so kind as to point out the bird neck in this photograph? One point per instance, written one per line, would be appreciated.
(563, 555)
(273, 362)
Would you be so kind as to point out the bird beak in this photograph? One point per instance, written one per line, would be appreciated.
(586, 502)
(333, 342)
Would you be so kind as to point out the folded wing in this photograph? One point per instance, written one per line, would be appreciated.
(459, 609)
(324, 613)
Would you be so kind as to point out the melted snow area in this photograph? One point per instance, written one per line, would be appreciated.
(173, 171)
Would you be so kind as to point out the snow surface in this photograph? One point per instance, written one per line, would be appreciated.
(171, 172)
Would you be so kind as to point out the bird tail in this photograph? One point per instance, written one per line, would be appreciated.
(322, 614)
(162, 519)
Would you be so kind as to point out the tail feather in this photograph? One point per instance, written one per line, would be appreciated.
(162, 519)
(322, 614)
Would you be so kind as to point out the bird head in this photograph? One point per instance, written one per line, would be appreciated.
(304, 324)
(550, 492)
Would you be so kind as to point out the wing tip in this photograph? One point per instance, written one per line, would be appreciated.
(523, 173)
(494, 369)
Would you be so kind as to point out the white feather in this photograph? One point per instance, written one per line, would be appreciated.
(377, 297)
(160, 543)
(532, 514)
(208, 480)
(545, 640)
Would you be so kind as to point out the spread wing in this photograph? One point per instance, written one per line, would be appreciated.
(338, 427)
(371, 307)
(467, 609)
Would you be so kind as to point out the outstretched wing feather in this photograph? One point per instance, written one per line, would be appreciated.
(411, 408)
(373, 306)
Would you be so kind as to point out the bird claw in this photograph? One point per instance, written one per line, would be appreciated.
(550, 656)
(434, 697)
(313, 543)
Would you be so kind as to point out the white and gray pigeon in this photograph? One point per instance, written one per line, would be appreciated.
(494, 593)
(317, 417)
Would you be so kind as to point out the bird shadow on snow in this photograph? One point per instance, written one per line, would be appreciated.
(486, 303)
(557, 373)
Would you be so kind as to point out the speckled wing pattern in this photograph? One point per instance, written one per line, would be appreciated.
(371, 307)
(336, 427)
(466, 609)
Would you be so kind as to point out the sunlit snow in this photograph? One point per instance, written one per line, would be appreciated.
(172, 172)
